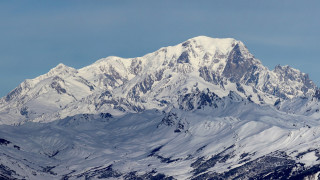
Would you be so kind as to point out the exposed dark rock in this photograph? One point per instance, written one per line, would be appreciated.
(106, 93)
(24, 111)
(317, 94)
(143, 87)
(16, 147)
(106, 102)
(180, 127)
(186, 44)
(243, 155)
(108, 173)
(170, 119)
(87, 83)
(198, 100)
(249, 98)
(53, 154)
(146, 84)
(111, 77)
(13, 93)
(56, 85)
(6, 173)
(177, 130)
(4, 142)
(287, 73)
(240, 88)
(201, 165)
(109, 80)
(306, 173)
(105, 115)
(114, 73)
(153, 175)
(209, 75)
(201, 149)
(276, 165)
(100, 173)
(136, 66)
(164, 102)
(154, 151)
(166, 160)
(234, 96)
(119, 108)
(239, 68)
(159, 75)
(48, 169)
(316, 152)
(184, 58)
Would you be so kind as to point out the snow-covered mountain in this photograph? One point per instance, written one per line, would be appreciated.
(156, 80)
(202, 109)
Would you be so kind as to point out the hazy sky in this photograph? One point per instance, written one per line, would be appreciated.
(37, 35)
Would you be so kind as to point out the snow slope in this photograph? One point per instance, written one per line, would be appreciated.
(179, 144)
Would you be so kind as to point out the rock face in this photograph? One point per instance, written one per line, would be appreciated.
(202, 109)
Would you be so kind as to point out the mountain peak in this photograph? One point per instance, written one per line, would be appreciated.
(286, 68)
(207, 38)
(61, 69)
(223, 45)
(61, 65)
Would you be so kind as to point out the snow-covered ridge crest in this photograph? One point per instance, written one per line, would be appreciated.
(61, 69)
(155, 80)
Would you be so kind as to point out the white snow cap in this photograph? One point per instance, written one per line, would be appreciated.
(212, 44)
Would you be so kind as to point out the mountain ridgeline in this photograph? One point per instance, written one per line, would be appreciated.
(155, 80)
(203, 109)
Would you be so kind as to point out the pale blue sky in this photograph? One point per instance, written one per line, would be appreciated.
(37, 35)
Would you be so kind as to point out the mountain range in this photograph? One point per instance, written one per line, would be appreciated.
(203, 109)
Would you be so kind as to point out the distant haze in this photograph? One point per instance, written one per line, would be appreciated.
(36, 36)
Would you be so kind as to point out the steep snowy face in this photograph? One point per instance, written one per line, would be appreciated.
(47, 93)
(54, 78)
